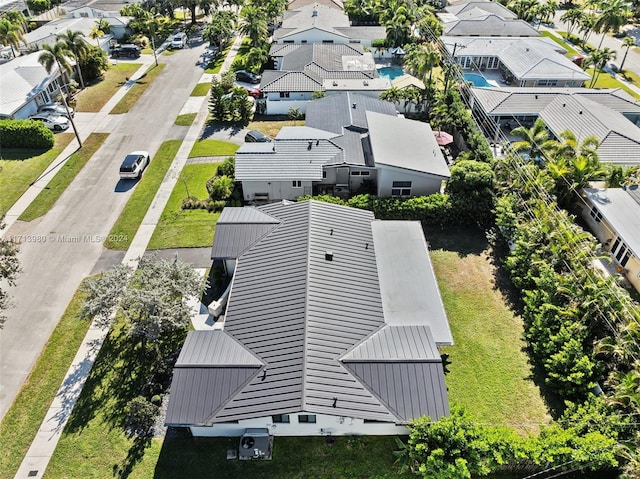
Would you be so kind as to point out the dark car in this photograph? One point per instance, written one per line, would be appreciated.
(130, 51)
(254, 136)
(245, 76)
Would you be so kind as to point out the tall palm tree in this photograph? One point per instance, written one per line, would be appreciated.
(535, 141)
(615, 14)
(586, 26)
(572, 17)
(11, 34)
(96, 34)
(58, 55)
(599, 58)
(420, 60)
(254, 24)
(77, 46)
(627, 43)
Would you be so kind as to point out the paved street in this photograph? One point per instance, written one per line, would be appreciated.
(62, 248)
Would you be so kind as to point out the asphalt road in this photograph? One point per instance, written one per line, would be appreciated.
(65, 246)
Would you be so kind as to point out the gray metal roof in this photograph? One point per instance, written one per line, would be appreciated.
(299, 313)
(286, 160)
(328, 56)
(314, 16)
(621, 209)
(410, 295)
(527, 58)
(304, 133)
(366, 33)
(20, 80)
(459, 9)
(335, 112)
(396, 343)
(238, 229)
(489, 25)
(406, 144)
(204, 349)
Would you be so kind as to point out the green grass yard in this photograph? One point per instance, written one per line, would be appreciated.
(94, 97)
(212, 148)
(50, 194)
(180, 228)
(216, 63)
(20, 167)
(570, 50)
(137, 89)
(201, 89)
(186, 119)
(21, 422)
(125, 228)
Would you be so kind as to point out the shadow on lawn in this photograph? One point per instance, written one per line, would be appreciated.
(462, 240)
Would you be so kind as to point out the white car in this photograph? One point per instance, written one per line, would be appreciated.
(56, 109)
(53, 122)
(134, 164)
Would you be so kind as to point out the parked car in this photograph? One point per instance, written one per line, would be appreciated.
(245, 76)
(254, 136)
(56, 109)
(252, 91)
(577, 59)
(53, 122)
(134, 164)
(131, 51)
(179, 40)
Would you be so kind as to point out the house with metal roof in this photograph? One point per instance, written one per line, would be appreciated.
(25, 85)
(613, 215)
(519, 61)
(318, 23)
(302, 69)
(332, 327)
(349, 143)
(611, 115)
(484, 19)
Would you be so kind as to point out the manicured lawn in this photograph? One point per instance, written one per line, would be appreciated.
(605, 80)
(217, 61)
(136, 90)
(186, 119)
(22, 420)
(212, 148)
(201, 89)
(489, 372)
(570, 51)
(20, 167)
(271, 127)
(48, 196)
(180, 228)
(93, 98)
(125, 228)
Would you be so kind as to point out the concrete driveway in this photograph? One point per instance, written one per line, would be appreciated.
(62, 248)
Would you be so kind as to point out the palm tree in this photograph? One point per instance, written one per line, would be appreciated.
(11, 34)
(420, 60)
(627, 43)
(572, 17)
(254, 24)
(77, 46)
(599, 58)
(57, 55)
(104, 25)
(586, 26)
(535, 141)
(615, 14)
(547, 10)
(96, 34)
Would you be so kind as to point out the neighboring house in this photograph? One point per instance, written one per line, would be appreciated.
(316, 23)
(611, 115)
(46, 34)
(484, 19)
(25, 85)
(301, 70)
(332, 327)
(343, 149)
(524, 62)
(614, 217)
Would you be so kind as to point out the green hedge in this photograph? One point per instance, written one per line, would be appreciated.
(25, 134)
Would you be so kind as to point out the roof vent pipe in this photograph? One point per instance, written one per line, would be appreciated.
(353, 105)
(335, 402)
(264, 375)
(310, 145)
(331, 232)
(317, 142)
(366, 246)
(328, 255)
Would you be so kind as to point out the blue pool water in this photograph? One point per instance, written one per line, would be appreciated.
(477, 80)
(390, 72)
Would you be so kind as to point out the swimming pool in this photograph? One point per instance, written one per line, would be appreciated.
(477, 80)
(390, 73)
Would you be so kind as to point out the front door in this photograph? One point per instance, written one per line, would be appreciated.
(342, 176)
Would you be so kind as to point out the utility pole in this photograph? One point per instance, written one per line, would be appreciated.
(66, 107)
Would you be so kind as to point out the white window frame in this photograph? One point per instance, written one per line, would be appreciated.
(296, 184)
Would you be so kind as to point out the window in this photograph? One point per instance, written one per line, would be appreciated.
(364, 173)
(284, 94)
(595, 214)
(288, 41)
(327, 41)
(547, 82)
(307, 418)
(296, 184)
(324, 174)
(355, 173)
(354, 41)
(374, 421)
(303, 41)
(401, 188)
(53, 86)
(622, 255)
(493, 63)
(281, 418)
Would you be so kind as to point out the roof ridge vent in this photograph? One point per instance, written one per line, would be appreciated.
(314, 13)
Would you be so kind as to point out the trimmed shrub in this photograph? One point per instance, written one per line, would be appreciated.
(25, 134)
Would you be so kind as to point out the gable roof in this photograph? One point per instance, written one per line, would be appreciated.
(238, 229)
(20, 80)
(406, 144)
(527, 58)
(620, 207)
(406, 81)
(460, 9)
(488, 25)
(304, 315)
(48, 32)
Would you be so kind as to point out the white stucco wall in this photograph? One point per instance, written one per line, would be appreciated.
(314, 35)
(281, 106)
(421, 183)
(325, 425)
(278, 190)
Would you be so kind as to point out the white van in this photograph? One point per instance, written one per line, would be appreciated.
(179, 40)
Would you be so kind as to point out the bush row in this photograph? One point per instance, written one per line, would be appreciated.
(25, 134)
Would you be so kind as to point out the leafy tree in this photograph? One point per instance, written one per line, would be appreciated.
(95, 63)
(11, 34)
(535, 141)
(9, 269)
(316, 95)
(141, 417)
(420, 60)
(219, 30)
(471, 188)
(220, 187)
(76, 46)
(294, 114)
(254, 24)
(614, 14)
(39, 6)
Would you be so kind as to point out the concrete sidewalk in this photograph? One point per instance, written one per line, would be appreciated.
(43, 446)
